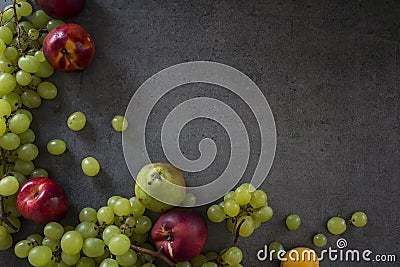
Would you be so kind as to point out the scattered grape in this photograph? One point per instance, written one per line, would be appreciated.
(359, 219)
(293, 222)
(76, 121)
(320, 240)
(119, 123)
(90, 166)
(56, 147)
(276, 249)
(336, 225)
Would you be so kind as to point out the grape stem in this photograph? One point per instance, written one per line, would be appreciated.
(154, 254)
(14, 7)
(3, 216)
(219, 259)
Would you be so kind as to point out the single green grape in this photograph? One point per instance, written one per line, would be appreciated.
(70, 259)
(111, 201)
(36, 239)
(233, 256)
(56, 147)
(189, 201)
(39, 172)
(247, 227)
(105, 215)
(24, 167)
(28, 152)
(137, 207)
(76, 121)
(109, 263)
(276, 249)
(119, 123)
(40, 56)
(6, 34)
(27, 137)
(143, 225)
(320, 240)
(11, 53)
(242, 196)
(231, 208)
(28, 63)
(119, 244)
(23, 78)
(40, 19)
(31, 99)
(52, 24)
(22, 248)
(88, 214)
(25, 112)
(336, 225)
(5, 108)
(359, 219)
(216, 213)
(14, 100)
(7, 83)
(87, 229)
(54, 245)
(39, 256)
(93, 247)
(263, 214)
(45, 70)
(109, 232)
(122, 207)
(23, 9)
(90, 166)
(6, 243)
(8, 186)
(258, 199)
(47, 90)
(127, 259)
(3, 232)
(19, 123)
(53, 230)
(293, 222)
(33, 34)
(71, 242)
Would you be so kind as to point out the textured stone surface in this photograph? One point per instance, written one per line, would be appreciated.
(329, 70)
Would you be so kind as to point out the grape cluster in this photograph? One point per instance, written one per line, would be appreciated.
(104, 238)
(22, 70)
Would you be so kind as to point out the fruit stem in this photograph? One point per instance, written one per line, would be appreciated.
(14, 7)
(219, 259)
(3, 216)
(155, 254)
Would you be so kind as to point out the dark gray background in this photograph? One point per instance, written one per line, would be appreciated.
(328, 69)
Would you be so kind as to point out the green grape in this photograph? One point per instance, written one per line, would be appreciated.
(6, 243)
(40, 56)
(293, 222)
(109, 232)
(25, 112)
(24, 9)
(19, 123)
(198, 260)
(111, 201)
(54, 24)
(6, 66)
(242, 196)
(24, 167)
(39, 172)
(70, 259)
(90, 166)
(8, 186)
(139, 239)
(231, 208)
(45, 70)
(7, 83)
(36, 239)
(14, 100)
(137, 207)
(71, 242)
(184, 264)
(263, 214)
(39, 256)
(119, 123)
(85, 262)
(25, 26)
(3, 126)
(31, 99)
(209, 264)
(3, 232)
(2, 45)
(276, 249)
(233, 256)
(127, 259)
(10, 53)
(119, 244)
(88, 214)
(249, 187)
(130, 221)
(359, 219)
(27, 137)
(47, 90)
(105, 215)
(247, 227)
(216, 213)
(40, 19)
(258, 199)
(118, 221)
(76, 121)
(34, 34)
(320, 240)
(336, 225)
(87, 229)
(5, 108)
(22, 248)
(53, 230)
(54, 245)
(11, 208)
(36, 80)
(6, 34)
(56, 147)
(189, 201)
(23, 78)
(29, 63)
(122, 207)
(93, 247)
(143, 225)
(42, 37)
(109, 263)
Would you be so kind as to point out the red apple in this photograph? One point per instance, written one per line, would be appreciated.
(42, 200)
(63, 9)
(68, 48)
(181, 233)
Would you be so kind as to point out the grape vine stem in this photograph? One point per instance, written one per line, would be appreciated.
(156, 254)
(3, 216)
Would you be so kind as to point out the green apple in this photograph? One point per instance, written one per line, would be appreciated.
(160, 186)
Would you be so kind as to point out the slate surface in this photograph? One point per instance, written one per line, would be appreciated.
(328, 69)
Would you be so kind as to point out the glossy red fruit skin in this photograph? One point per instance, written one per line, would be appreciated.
(181, 232)
(69, 48)
(42, 200)
(62, 9)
